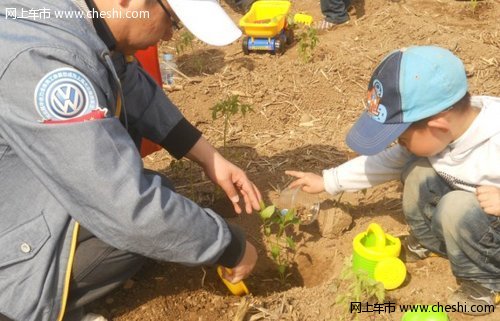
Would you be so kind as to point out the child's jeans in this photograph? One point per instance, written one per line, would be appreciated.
(335, 11)
(451, 223)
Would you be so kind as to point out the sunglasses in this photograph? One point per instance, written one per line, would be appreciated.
(176, 23)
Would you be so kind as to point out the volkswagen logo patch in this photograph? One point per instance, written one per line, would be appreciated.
(65, 93)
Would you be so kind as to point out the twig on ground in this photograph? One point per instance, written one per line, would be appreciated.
(203, 277)
(242, 309)
(323, 73)
(189, 79)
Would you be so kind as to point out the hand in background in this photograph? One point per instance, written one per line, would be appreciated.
(245, 267)
(310, 182)
(489, 199)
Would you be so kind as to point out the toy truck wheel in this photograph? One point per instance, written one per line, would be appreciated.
(244, 46)
(289, 36)
(280, 44)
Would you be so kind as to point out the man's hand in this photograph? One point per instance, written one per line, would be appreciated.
(310, 182)
(234, 182)
(228, 176)
(489, 199)
(245, 267)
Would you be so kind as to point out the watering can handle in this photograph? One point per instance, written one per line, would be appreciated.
(379, 235)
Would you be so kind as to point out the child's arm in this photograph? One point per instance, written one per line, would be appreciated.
(358, 173)
(310, 182)
(489, 199)
(367, 171)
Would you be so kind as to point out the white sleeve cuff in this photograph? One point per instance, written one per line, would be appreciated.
(331, 182)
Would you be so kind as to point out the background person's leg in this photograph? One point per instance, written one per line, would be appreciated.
(243, 5)
(335, 11)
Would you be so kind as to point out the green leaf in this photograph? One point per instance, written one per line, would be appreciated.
(289, 215)
(290, 242)
(276, 219)
(275, 251)
(215, 111)
(380, 292)
(267, 212)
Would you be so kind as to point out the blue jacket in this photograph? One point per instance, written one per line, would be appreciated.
(64, 159)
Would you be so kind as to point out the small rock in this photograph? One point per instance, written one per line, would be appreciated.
(306, 118)
(306, 121)
(258, 94)
(333, 221)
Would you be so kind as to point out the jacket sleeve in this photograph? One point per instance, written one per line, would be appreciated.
(366, 171)
(94, 171)
(150, 113)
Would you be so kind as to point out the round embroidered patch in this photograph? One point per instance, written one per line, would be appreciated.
(65, 93)
(379, 88)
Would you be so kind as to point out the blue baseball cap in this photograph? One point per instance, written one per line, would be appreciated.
(409, 84)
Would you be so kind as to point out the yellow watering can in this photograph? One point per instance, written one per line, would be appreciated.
(377, 253)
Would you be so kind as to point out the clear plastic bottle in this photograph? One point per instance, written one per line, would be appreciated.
(307, 206)
(167, 69)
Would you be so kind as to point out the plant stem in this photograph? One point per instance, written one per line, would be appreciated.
(226, 123)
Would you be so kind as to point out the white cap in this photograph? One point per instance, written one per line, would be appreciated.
(206, 20)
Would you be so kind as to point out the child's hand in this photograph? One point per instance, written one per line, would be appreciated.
(310, 182)
(489, 199)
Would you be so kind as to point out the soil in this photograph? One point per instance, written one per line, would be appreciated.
(301, 113)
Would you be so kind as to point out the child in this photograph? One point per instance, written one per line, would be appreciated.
(447, 153)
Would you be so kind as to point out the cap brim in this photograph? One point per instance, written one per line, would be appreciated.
(369, 137)
(206, 20)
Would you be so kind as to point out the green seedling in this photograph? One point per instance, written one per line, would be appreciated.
(228, 108)
(308, 40)
(357, 286)
(182, 44)
(473, 5)
(282, 246)
(185, 41)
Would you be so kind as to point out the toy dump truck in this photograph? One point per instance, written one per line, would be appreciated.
(266, 28)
